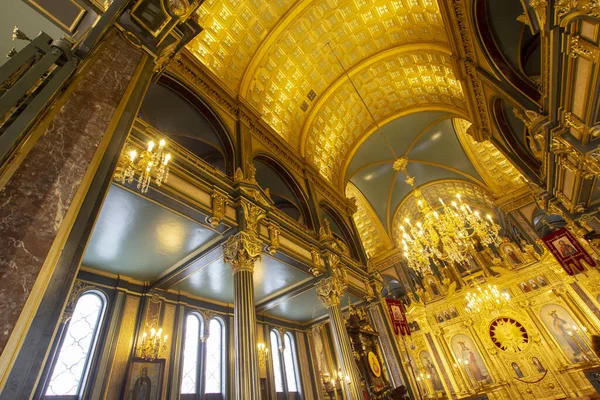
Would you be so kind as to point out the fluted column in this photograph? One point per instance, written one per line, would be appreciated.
(242, 251)
(330, 290)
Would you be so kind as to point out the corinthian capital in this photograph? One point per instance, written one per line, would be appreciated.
(330, 290)
(242, 251)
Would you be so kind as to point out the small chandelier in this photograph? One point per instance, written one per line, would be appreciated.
(487, 300)
(150, 162)
(151, 346)
(447, 235)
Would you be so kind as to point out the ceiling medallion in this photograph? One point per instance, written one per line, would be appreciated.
(509, 335)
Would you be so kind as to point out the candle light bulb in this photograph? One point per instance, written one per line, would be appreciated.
(159, 332)
(150, 145)
(167, 158)
(166, 337)
(161, 144)
(152, 332)
(132, 155)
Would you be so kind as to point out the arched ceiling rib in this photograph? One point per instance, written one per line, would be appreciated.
(279, 55)
(400, 82)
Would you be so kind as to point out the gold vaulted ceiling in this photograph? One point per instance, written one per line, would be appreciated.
(278, 56)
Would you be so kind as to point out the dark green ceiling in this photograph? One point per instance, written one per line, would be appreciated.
(140, 239)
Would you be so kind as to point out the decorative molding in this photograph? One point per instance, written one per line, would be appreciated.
(330, 290)
(242, 251)
(253, 214)
(219, 202)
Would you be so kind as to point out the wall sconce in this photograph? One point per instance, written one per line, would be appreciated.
(263, 353)
(151, 346)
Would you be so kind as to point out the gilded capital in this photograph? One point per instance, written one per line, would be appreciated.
(242, 251)
(330, 290)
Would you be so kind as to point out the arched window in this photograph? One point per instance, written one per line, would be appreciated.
(72, 363)
(191, 354)
(214, 358)
(285, 372)
(203, 365)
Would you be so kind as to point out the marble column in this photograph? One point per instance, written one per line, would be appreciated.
(330, 290)
(242, 251)
(44, 189)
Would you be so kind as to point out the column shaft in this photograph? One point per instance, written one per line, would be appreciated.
(345, 357)
(244, 328)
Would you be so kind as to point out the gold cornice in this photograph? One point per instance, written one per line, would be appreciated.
(355, 69)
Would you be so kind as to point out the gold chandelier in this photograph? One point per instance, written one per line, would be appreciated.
(151, 346)
(487, 300)
(150, 162)
(446, 235)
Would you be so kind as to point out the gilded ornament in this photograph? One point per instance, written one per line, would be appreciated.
(273, 238)
(242, 251)
(577, 49)
(252, 214)
(330, 290)
(219, 202)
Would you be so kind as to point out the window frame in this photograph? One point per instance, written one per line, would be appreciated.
(199, 359)
(90, 357)
(220, 321)
(279, 352)
(202, 361)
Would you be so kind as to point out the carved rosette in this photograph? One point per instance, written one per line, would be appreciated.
(330, 290)
(242, 251)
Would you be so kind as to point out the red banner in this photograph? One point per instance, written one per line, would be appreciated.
(567, 251)
(398, 317)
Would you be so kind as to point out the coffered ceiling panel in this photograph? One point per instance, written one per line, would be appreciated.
(300, 64)
(233, 31)
(393, 85)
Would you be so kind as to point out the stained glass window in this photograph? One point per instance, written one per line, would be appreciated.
(289, 360)
(189, 372)
(72, 363)
(214, 358)
(277, 371)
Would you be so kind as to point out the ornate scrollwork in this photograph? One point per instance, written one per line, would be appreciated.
(273, 238)
(219, 202)
(253, 214)
(242, 251)
(577, 48)
(330, 290)
(317, 269)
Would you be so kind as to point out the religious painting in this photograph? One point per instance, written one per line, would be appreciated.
(145, 379)
(517, 370)
(374, 364)
(538, 365)
(510, 252)
(568, 251)
(542, 281)
(435, 290)
(533, 284)
(436, 382)
(447, 315)
(566, 332)
(439, 317)
(525, 288)
(468, 267)
(453, 312)
(469, 358)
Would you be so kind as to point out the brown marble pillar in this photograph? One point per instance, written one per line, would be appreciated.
(242, 251)
(40, 200)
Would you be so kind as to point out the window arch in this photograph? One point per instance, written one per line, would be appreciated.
(203, 361)
(71, 365)
(285, 371)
